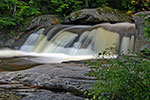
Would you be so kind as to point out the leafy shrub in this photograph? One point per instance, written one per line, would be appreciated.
(147, 28)
(13, 12)
(130, 6)
(95, 3)
(65, 7)
(26, 10)
(6, 21)
(126, 78)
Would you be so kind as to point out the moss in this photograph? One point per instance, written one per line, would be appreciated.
(143, 15)
(109, 10)
(13, 32)
(114, 13)
(9, 96)
(76, 14)
(106, 10)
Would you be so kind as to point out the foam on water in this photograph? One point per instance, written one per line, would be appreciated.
(5, 53)
(69, 42)
(47, 57)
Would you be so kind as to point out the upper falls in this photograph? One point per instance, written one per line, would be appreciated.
(82, 40)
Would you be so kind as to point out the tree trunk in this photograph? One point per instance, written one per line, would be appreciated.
(14, 10)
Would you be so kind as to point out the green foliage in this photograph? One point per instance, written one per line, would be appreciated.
(65, 7)
(6, 21)
(139, 5)
(126, 78)
(132, 6)
(147, 29)
(95, 3)
(13, 12)
(25, 10)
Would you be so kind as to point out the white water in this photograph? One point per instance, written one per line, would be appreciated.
(89, 42)
(47, 57)
(75, 43)
(127, 45)
(31, 41)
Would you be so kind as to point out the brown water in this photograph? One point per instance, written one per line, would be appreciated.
(16, 63)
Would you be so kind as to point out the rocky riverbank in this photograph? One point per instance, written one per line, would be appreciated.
(66, 81)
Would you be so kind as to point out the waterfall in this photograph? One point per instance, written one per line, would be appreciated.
(31, 41)
(82, 40)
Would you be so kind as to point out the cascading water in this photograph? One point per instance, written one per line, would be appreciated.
(31, 41)
(82, 40)
(69, 42)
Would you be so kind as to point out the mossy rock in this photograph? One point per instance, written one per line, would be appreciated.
(9, 37)
(76, 14)
(9, 96)
(44, 21)
(140, 22)
(98, 15)
(114, 15)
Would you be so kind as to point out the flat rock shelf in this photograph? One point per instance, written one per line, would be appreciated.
(63, 81)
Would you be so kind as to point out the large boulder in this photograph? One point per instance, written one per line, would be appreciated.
(43, 21)
(6, 42)
(141, 42)
(35, 24)
(98, 15)
(10, 40)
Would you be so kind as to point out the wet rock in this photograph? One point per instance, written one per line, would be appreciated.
(17, 63)
(64, 81)
(21, 92)
(143, 47)
(35, 25)
(139, 21)
(52, 96)
(141, 42)
(70, 77)
(8, 37)
(96, 16)
(6, 42)
(9, 96)
(23, 31)
(19, 89)
(43, 21)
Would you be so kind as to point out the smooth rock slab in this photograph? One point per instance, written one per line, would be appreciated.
(67, 78)
(9, 96)
(52, 96)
